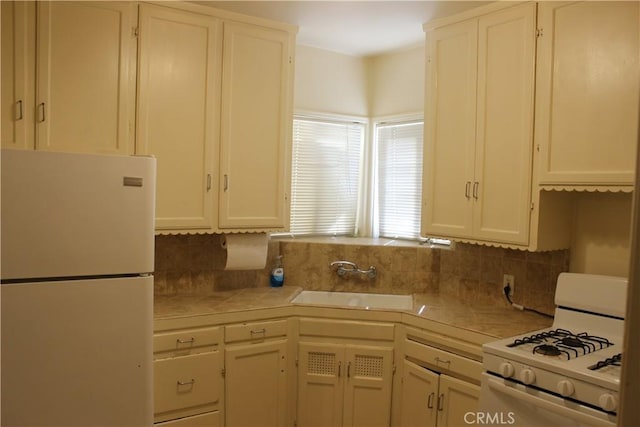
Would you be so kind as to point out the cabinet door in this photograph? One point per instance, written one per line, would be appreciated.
(587, 92)
(178, 111)
(256, 384)
(18, 74)
(456, 399)
(419, 396)
(256, 127)
(320, 384)
(367, 387)
(450, 117)
(504, 142)
(86, 76)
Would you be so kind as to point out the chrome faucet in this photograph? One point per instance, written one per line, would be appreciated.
(348, 267)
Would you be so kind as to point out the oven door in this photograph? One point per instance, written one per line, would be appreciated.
(508, 402)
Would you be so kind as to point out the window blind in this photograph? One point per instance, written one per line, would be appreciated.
(325, 177)
(399, 179)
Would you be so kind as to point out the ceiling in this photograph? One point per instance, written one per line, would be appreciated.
(358, 28)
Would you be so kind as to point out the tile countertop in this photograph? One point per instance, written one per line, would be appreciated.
(496, 321)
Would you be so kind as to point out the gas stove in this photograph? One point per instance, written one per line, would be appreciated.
(579, 358)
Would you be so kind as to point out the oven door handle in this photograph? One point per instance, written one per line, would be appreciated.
(549, 406)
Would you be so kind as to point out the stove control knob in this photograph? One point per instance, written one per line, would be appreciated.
(506, 369)
(527, 376)
(608, 402)
(566, 388)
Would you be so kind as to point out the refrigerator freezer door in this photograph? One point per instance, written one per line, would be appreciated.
(77, 353)
(66, 214)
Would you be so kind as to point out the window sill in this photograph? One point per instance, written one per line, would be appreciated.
(362, 241)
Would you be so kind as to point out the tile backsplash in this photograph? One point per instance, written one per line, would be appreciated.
(194, 265)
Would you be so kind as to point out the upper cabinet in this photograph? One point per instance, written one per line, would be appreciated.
(257, 87)
(588, 90)
(215, 109)
(70, 74)
(521, 99)
(179, 111)
(479, 127)
(18, 74)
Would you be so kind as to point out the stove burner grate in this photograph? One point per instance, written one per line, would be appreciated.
(547, 350)
(611, 361)
(561, 342)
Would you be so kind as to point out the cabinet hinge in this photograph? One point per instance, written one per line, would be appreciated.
(532, 205)
(429, 59)
(538, 148)
(296, 363)
(135, 31)
(538, 32)
(290, 60)
(393, 371)
(223, 372)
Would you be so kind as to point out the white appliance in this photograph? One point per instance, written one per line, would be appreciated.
(77, 289)
(567, 375)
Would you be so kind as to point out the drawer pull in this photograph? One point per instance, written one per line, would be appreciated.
(430, 400)
(443, 361)
(441, 402)
(258, 331)
(189, 341)
(186, 382)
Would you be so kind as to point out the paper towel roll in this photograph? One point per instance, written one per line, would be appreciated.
(245, 251)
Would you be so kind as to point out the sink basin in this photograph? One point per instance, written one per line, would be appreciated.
(352, 299)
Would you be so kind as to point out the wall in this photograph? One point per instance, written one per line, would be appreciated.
(328, 82)
(194, 265)
(601, 234)
(396, 83)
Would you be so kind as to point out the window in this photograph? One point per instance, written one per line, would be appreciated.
(341, 186)
(398, 178)
(325, 176)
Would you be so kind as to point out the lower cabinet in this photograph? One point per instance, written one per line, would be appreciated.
(255, 384)
(256, 374)
(432, 399)
(345, 373)
(344, 385)
(188, 384)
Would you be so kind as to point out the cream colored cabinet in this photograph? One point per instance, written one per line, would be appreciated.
(345, 373)
(84, 76)
(178, 111)
(431, 399)
(214, 108)
(440, 377)
(587, 92)
(353, 382)
(18, 74)
(479, 127)
(188, 384)
(257, 84)
(256, 374)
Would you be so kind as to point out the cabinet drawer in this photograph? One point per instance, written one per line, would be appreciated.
(210, 419)
(186, 342)
(444, 361)
(256, 330)
(347, 329)
(185, 382)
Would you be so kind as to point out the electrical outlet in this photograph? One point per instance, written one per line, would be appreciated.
(509, 280)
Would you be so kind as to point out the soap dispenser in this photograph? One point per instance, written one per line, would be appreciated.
(277, 274)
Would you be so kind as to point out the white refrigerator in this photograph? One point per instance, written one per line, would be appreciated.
(77, 257)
